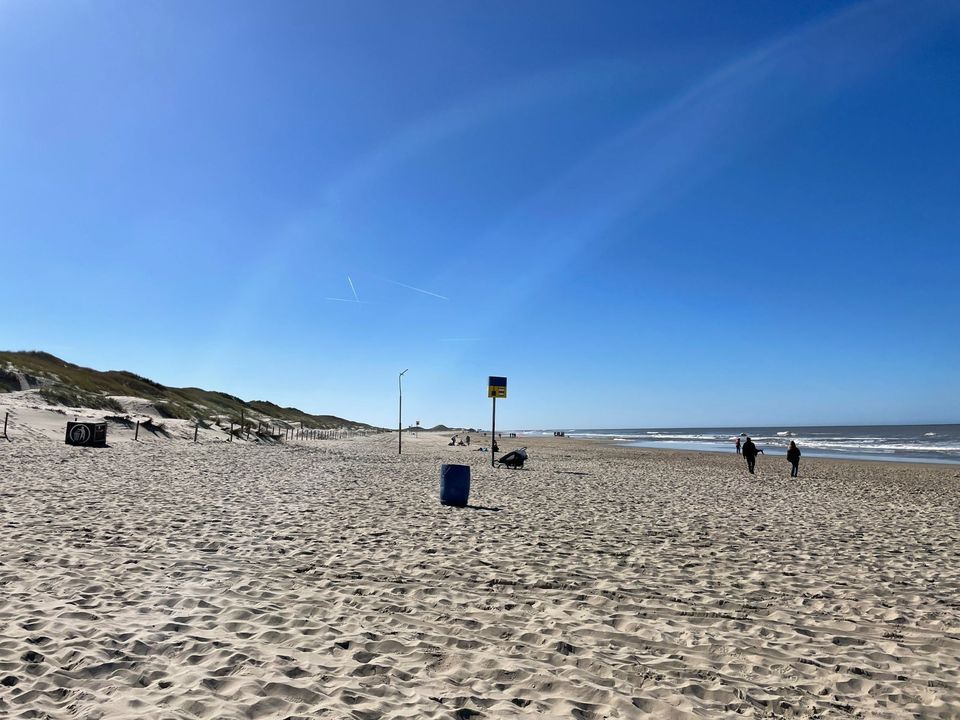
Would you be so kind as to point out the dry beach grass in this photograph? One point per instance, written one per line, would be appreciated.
(170, 580)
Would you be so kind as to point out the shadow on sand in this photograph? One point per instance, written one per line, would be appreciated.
(484, 508)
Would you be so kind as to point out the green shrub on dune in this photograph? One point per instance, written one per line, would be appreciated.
(64, 383)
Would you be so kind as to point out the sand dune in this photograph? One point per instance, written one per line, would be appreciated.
(219, 580)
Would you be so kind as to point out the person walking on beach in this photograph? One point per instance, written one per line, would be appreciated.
(793, 455)
(738, 446)
(750, 451)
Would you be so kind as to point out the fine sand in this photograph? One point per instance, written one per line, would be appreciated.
(164, 579)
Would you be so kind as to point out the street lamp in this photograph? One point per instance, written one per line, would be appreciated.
(400, 416)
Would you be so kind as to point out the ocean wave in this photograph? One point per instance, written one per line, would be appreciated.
(604, 435)
(884, 446)
(900, 444)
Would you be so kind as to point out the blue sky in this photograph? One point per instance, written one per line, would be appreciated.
(670, 214)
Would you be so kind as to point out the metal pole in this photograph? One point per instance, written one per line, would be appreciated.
(136, 433)
(196, 429)
(493, 432)
(400, 415)
(5, 416)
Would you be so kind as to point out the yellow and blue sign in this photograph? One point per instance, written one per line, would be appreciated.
(497, 387)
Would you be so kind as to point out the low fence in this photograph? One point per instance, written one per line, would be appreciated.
(282, 432)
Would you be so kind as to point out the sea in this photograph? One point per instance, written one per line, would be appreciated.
(894, 443)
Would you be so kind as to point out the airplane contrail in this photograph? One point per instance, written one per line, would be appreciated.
(416, 289)
(355, 296)
(347, 300)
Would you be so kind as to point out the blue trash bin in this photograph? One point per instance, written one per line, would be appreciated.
(454, 484)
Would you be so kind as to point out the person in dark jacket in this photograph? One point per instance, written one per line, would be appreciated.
(793, 455)
(749, 451)
(738, 446)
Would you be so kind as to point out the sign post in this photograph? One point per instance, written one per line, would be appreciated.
(496, 387)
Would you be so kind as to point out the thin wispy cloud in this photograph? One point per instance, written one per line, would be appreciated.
(424, 135)
(691, 137)
(516, 96)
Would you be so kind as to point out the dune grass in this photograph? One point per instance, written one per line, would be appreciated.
(76, 386)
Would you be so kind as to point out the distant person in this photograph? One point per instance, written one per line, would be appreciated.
(793, 455)
(749, 451)
(738, 446)
(468, 440)
(453, 440)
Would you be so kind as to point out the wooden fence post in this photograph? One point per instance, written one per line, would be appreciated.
(5, 416)
(231, 431)
(136, 433)
(196, 430)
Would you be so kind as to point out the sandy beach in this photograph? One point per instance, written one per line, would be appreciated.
(324, 579)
